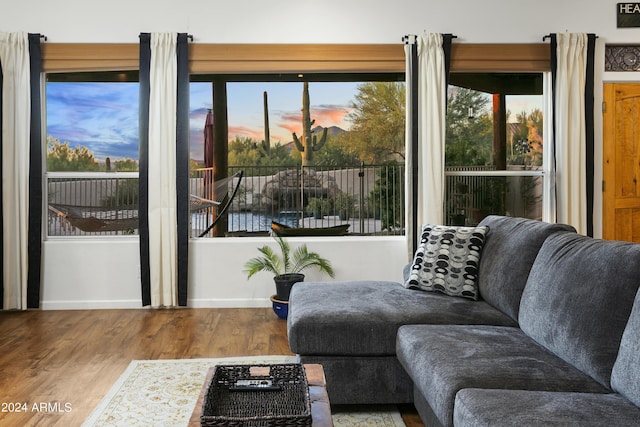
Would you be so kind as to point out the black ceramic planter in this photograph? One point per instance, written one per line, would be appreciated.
(284, 283)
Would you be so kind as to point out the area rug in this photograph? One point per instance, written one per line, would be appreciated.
(164, 393)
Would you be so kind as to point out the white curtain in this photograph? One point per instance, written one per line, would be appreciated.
(570, 132)
(432, 105)
(162, 170)
(16, 117)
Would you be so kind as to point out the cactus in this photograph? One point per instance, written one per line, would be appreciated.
(307, 144)
(266, 143)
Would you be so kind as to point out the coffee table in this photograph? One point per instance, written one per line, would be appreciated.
(320, 408)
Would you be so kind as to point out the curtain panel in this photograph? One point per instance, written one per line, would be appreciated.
(572, 69)
(21, 164)
(428, 58)
(164, 168)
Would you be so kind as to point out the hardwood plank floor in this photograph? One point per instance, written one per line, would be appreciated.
(56, 366)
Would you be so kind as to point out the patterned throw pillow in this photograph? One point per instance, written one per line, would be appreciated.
(447, 260)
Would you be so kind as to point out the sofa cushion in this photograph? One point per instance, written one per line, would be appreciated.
(625, 378)
(362, 318)
(507, 408)
(355, 380)
(578, 299)
(510, 249)
(447, 260)
(444, 359)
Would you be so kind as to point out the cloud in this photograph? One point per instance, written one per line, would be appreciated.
(291, 127)
(104, 117)
(243, 131)
(330, 115)
(199, 114)
(326, 115)
(100, 116)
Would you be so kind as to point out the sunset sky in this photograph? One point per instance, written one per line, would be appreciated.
(100, 116)
(104, 116)
(330, 103)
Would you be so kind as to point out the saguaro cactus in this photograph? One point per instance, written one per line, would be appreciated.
(308, 143)
(266, 143)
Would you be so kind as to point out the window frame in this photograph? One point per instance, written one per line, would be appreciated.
(119, 76)
(545, 173)
(295, 58)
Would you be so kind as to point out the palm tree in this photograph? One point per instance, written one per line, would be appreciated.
(287, 266)
(286, 263)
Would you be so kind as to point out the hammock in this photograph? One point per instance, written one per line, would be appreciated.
(225, 200)
(97, 219)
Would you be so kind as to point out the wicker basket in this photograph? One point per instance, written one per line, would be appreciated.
(288, 406)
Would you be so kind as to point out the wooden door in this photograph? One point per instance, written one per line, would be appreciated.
(621, 157)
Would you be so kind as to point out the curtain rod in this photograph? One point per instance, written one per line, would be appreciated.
(544, 39)
(405, 38)
(189, 36)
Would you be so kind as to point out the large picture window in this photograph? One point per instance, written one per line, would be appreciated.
(207, 60)
(319, 153)
(350, 175)
(494, 152)
(92, 154)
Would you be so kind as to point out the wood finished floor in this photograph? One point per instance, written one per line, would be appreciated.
(68, 360)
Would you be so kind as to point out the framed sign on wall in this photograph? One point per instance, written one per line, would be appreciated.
(628, 15)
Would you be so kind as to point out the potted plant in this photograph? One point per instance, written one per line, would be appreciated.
(287, 266)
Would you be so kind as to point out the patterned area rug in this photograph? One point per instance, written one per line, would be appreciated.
(164, 393)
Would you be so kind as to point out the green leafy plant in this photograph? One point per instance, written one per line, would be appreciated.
(344, 205)
(318, 207)
(126, 194)
(286, 262)
(388, 195)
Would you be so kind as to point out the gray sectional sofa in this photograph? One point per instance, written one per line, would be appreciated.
(554, 338)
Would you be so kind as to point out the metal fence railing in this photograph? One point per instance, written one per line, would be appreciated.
(92, 204)
(473, 192)
(369, 198)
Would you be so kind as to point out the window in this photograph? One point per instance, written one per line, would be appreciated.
(276, 60)
(494, 153)
(351, 173)
(92, 153)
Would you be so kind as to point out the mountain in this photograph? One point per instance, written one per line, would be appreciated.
(331, 130)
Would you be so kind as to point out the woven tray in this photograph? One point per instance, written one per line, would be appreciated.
(289, 406)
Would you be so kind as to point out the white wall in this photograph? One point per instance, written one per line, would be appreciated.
(303, 21)
(105, 274)
(91, 274)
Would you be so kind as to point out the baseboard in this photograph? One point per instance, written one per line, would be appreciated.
(90, 305)
(230, 303)
(134, 304)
